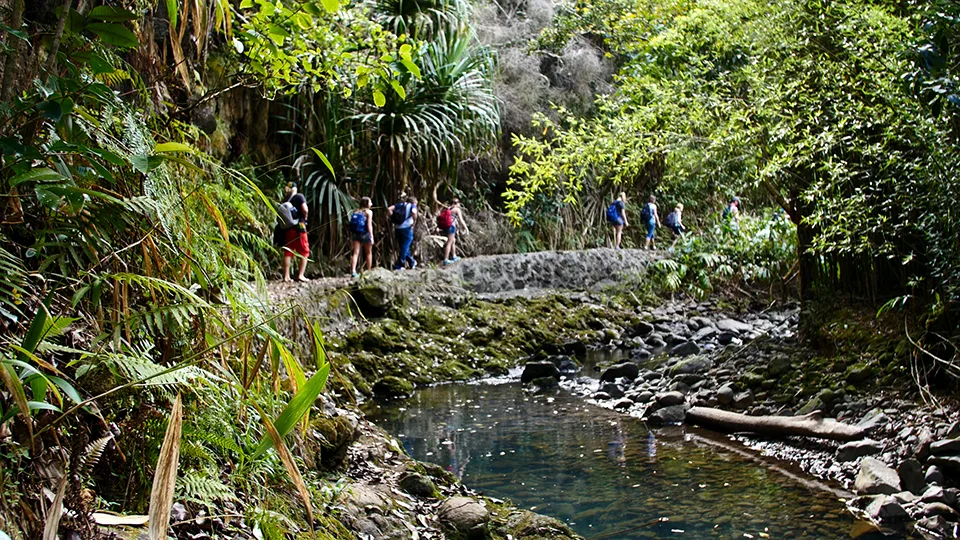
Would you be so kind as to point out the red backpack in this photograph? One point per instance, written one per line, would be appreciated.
(445, 219)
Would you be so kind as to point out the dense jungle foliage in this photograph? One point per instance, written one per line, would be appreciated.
(143, 143)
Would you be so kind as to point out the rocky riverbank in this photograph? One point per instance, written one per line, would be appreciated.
(390, 332)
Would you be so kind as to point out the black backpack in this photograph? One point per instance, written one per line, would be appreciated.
(400, 212)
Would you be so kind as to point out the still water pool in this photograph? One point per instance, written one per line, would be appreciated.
(605, 474)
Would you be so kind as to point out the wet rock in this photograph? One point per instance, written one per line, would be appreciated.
(873, 420)
(623, 404)
(752, 379)
(885, 509)
(933, 475)
(536, 370)
(672, 415)
(742, 400)
(937, 527)
(543, 384)
(652, 376)
(418, 485)
(642, 329)
(725, 394)
(948, 446)
(656, 343)
(726, 338)
(733, 326)
(779, 366)
(640, 354)
(947, 463)
(393, 387)
(911, 476)
(575, 348)
(857, 449)
(612, 389)
(463, 514)
(566, 364)
(703, 333)
(526, 524)
(698, 364)
(601, 396)
(702, 322)
(685, 348)
(626, 370)
(858, 373)
(643, 397)
(939, 509)
(875, 477)
(669, 399)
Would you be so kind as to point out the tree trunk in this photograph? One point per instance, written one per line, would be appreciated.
(809, 425)
(10, 65)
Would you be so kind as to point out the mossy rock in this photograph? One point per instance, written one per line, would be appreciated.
(419, 485)
(526, 524)
(859, 373)
(334, 435)
(438, 473)
(437, 320)
(454, 370)
(751, 379)
(393, 387)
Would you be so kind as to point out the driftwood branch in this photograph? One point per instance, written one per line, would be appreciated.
(809, 425)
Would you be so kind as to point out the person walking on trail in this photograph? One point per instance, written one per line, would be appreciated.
(650, 217)
(403, 215)
(447, 223)
(674, 220)
(731, 214)
(361, 229)
(293, 212)
(617, 217)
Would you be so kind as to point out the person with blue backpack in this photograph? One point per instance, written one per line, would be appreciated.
(361, 229)
(403, 215)
(650, 217)
(617, 218)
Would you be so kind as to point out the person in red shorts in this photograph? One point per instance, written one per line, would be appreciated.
(297, 244)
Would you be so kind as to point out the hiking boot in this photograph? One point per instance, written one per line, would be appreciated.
(448, 261)
(413, 265)
(354, 275)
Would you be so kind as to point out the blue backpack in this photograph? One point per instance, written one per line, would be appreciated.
(646, 215)
(613, 212)
(358, 222)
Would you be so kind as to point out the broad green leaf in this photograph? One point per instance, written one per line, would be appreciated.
(114, 34)
(398, 88)
(379, 99)
(277, 33)
(246, 4)
(298, 406)
(37, 175)
(405, 51)
(174, 147)
(325, 161)
(332, 6)
(111, 14)
(411, 67)
(49, 198)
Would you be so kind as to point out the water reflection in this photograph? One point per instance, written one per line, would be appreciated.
(601, 472)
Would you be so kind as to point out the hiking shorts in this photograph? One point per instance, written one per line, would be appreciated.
(452, 230)
(363, 238)
(651, 228)
(615, 222)
(297, 242)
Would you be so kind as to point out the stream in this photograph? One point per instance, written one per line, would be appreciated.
(604, 473)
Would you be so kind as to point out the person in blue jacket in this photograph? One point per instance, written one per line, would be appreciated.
(617, 218)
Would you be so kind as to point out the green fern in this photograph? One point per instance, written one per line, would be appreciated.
(204, 487)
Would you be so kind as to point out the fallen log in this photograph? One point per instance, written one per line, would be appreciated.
(808, 425)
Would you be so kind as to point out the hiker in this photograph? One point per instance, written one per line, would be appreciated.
(649, 216)
(403, 215)
(731, 214)
(674, 220)
(361, 229)
(617, 217)
(293, 214)
(447, 223)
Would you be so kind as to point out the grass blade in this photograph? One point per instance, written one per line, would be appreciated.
(287, 458)
(52, 524)
(297, 408)
(165, 477)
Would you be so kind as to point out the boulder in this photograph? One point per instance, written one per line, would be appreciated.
(623, 404)
(933, 475)
(939, 509)
(873, 420)
(393, 387)
(947, 463)
(643, 397)
(875, 477)
(911, 476)
(566, 364)
(743, 400)
(463, 514)
(703, 333)
(947, 446)
(778, 366)
(857, 449)
(685, 348)
(672, 415)
(626, 370)
(575, 348)
(726, 338)
(725, 394)
(418, 485)
(937, 527)
(641, 329)
(886, 509)
(536, 370)
(612, 389)
(668, 399)
(640, 354)
(733, 326)
(698, 364)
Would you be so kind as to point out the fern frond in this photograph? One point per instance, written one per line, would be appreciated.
(204, 488)
(93, 452)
